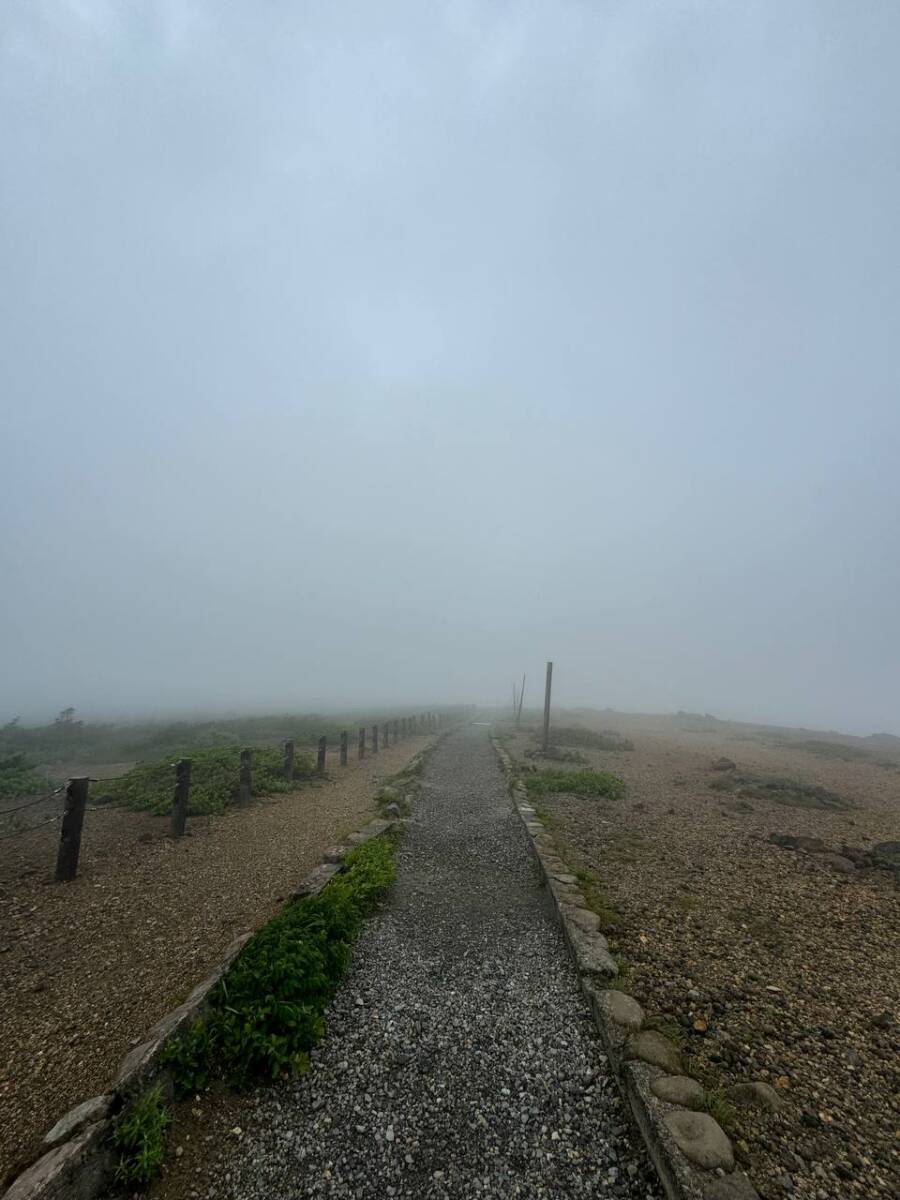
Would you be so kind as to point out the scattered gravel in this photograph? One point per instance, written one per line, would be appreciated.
(460, 1058)
(775, 966)
(87, 967)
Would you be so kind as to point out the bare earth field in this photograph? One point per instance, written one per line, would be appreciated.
(767, 963)
(87, 967)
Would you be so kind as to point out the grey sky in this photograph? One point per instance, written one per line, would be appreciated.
(359, 351)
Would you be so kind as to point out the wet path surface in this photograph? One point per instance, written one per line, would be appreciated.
(460, 1059)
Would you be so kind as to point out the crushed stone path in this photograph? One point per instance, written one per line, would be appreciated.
(460, 1058)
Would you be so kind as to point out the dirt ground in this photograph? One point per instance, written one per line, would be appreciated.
(766, 963)
(86, 968)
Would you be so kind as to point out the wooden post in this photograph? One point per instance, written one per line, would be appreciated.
(519, 709)
(320, 756)
(387, 734)
(375, 738)
(289, 760)
(245, 787)
(343, 748)
(178, 819)
(362, 741)
(545, 745)
(70, 833)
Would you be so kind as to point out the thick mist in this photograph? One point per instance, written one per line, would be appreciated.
(359, 353)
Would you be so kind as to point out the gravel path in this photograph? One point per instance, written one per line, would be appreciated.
(460, 1059)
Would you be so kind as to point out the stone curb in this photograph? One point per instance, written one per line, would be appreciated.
(639, 1059)
(80, 1162)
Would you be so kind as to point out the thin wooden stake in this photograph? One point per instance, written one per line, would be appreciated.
(362, 741)
(320, 756)
(344, 747)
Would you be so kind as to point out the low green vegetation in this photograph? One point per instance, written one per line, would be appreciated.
(590, 739)
(214, 781)
(720, 1109)
(20, 780)
(789, 792)
(267, 1012)
(139, 1139)
(578, 783)
(669, 1029)
(69, 740)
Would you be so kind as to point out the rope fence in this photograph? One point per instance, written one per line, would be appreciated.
(369, 740)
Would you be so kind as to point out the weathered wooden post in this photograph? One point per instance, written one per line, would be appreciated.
(289, 760)
(320, 756)
(343, 747)
(245, 787)
(70, 833)
(375, 738)
(545, 745)
(362, 741)
(178, 819)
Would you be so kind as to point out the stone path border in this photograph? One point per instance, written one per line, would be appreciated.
(691, 1152)
(80, 1160)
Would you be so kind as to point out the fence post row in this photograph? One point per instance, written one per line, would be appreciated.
(320, 755)
(178, 818)
(289, 760)
(362, 741)
(245, 787)
(343, 747)
(70, 833)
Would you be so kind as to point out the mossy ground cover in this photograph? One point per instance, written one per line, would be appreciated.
(578, 783)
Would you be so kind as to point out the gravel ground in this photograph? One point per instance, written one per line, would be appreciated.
(87, 967)
(775, 966)
(460, 1059)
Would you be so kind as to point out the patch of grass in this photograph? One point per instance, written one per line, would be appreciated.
(578, 783)
(686, 902)
(789, 792)
(590, 739)
(598, 899)
(556, 754)
(139, 1138)
(214, 780)
(670, 1029)
(719, 1109)
(267, 1013)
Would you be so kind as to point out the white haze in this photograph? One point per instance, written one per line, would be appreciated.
(360, 352)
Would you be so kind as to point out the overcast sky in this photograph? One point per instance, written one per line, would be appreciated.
(355, 352)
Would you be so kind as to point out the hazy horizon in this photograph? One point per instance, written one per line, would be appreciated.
(355, 354)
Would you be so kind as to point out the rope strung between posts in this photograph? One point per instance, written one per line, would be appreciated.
(30, 829)
(31, 803)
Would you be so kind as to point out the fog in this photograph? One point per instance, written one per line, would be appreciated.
(359, 353)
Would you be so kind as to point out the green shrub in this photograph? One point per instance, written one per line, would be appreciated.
(139, 1137)
(266, 1014)
(19, 780)
(214, 780)
(579, 783)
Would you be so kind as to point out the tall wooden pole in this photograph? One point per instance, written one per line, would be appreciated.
(70, 834)
(546, 742)
(245, 784)
(178, 818)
